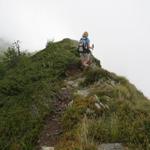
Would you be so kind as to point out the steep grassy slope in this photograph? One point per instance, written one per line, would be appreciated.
(26, 91)
(104, 108)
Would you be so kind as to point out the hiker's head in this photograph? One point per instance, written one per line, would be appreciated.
(85, 34)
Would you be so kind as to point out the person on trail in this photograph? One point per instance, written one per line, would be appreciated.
(84, 50)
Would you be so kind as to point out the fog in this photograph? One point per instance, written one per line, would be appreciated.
(120, 30)
(4, 45)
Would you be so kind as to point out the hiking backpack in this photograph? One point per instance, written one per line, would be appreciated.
(83, 46)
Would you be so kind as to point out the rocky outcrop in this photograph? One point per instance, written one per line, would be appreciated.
(111, 146)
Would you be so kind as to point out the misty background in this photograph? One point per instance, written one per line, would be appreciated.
(120, 30)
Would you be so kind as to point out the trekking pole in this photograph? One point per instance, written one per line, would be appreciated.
(92, 46)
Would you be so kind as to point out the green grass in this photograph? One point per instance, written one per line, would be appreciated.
(125, 125)
(27, 87)
(126, 120)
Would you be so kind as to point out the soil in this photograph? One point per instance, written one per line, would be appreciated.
(52, 129)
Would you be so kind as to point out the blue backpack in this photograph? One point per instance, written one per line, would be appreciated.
(83, 45)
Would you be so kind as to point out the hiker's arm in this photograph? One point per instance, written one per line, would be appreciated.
(91, 47)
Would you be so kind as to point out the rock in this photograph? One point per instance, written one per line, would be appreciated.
(111, 146)
(97, 106)
(72, 83)
(113, 83)
(47, 148)
(102, 104)
(63, 88)
(83, 93)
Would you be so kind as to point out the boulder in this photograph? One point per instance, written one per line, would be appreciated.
(111, 146)
(47, 148)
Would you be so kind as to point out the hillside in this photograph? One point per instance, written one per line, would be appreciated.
(48, 100)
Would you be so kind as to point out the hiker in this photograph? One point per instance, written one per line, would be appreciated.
(84, 50)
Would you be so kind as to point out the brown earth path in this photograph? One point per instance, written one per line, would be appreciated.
(52, 129)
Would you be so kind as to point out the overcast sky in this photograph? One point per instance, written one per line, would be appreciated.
(120, 30)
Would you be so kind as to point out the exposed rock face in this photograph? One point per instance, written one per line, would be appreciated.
(74, 83)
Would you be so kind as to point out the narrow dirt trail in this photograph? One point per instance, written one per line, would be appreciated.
(49, 136)
(50, 132)
(52, 129)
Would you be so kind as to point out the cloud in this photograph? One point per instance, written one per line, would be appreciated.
(3, 45)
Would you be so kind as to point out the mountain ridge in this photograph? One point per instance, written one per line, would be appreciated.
(89, 107)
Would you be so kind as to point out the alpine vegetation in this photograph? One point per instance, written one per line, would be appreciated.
(49, 101)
